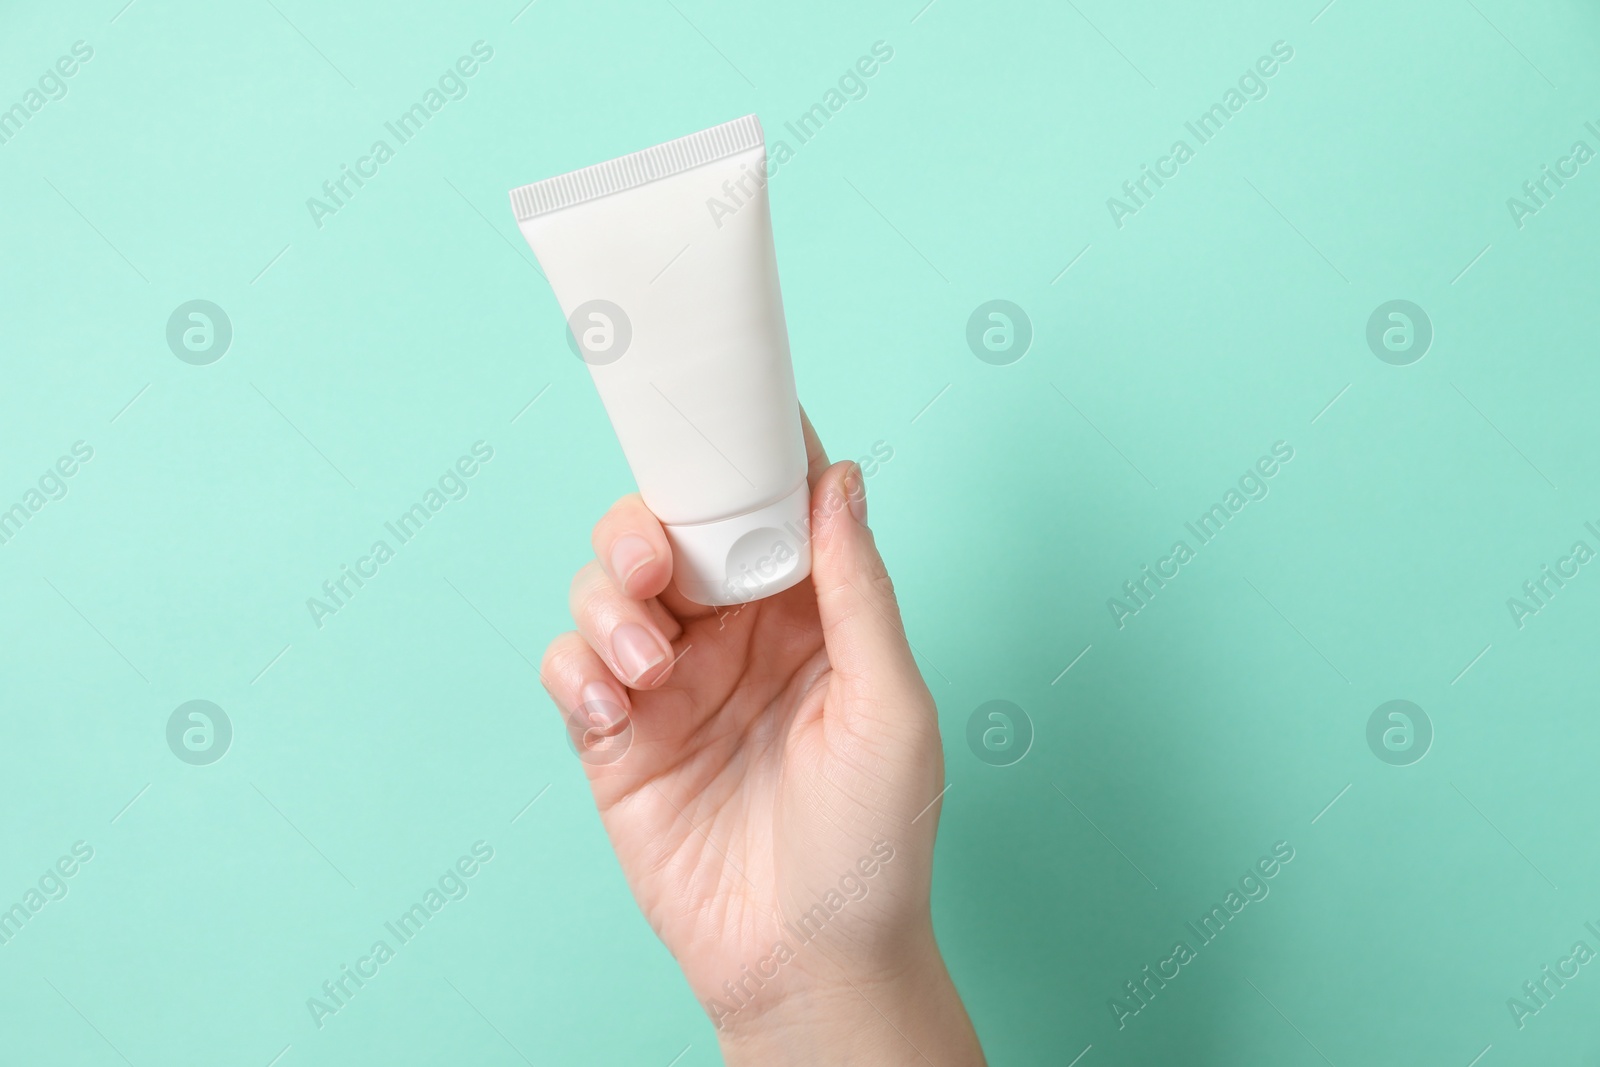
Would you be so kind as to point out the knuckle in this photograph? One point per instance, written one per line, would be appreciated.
(882, 587)
(878, 584)
(581, 593)
(560, 656)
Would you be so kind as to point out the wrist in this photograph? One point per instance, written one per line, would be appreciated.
(910, 1014)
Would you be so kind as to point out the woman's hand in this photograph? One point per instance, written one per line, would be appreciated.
(768, 776)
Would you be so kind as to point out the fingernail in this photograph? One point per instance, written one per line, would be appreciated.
(602, 706)
(637, 651)
(629, 554)
(855, 491)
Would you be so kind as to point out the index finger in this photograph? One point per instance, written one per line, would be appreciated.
(633, 549)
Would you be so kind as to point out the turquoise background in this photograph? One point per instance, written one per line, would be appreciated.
(1229, 714)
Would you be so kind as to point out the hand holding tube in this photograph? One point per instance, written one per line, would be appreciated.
(767, 776)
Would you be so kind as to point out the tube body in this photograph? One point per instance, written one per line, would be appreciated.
(663, 263)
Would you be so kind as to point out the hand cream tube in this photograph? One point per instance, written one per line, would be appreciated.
(663, 263)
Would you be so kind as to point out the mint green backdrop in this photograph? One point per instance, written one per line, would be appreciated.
(1441, 858)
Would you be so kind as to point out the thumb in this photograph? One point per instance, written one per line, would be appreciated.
(861, 625)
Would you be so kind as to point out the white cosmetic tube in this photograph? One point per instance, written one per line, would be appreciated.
(663, 264)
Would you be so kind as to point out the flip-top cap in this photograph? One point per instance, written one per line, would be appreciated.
(746, 557)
